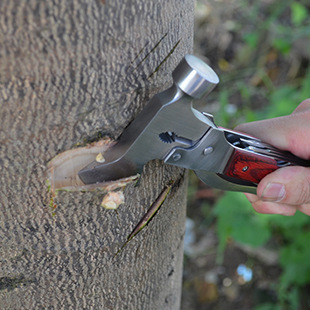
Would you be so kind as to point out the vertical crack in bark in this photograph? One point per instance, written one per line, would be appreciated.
(149, 214)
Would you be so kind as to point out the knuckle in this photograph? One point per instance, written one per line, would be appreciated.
(303, 193)
(305, 105)
(304, 208)
(293, 139)
(296, 142)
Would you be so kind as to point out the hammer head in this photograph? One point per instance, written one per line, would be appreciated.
(194, 77)
(167, 121)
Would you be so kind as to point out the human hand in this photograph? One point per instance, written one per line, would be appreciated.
(287, 189)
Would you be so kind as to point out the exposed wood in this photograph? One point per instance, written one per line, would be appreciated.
(72, 72)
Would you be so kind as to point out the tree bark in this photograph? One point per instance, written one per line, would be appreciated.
(72, 72)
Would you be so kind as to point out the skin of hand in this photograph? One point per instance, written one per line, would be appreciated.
(287, 189)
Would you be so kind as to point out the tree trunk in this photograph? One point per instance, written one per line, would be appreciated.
(72, 72)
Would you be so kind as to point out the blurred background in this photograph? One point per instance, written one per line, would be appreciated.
(234, 257)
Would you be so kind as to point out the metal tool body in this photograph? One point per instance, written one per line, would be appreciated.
(169, 128)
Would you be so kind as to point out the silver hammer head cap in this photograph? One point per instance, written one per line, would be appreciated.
(194, 77)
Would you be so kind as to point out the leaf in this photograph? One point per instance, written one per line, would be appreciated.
(288, 224)
(299, 13)
(252, 39)
(305, 86)
(294, 258)
(283, 101)
(237, 220)
(282, 45)
(267, 306)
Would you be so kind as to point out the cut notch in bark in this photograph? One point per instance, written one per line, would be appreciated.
(63, 169)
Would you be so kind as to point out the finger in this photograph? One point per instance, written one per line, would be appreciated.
(289, 133)
(251, 197)
(274, 208)
(288, 185)
(304, 106)
(305, 208)
(270, 207)
(266, 130)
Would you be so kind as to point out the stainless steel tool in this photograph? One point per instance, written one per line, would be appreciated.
(169, 128)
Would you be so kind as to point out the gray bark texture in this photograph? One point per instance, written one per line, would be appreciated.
(72, 71)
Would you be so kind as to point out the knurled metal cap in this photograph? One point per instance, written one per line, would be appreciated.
(194, 77)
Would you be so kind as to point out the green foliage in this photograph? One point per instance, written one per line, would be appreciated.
(237, 220)
(282, 45)
(251, 39)
(305, 86)
(293, 257)
(235, 217)
(299, 13)
(282, 101)
(268, 306)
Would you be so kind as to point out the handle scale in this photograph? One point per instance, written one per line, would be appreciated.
(252, 159)
(249, 166)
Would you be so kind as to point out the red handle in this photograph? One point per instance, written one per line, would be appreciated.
(248, 166)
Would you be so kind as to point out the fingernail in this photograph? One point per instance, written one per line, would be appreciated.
(273, 192)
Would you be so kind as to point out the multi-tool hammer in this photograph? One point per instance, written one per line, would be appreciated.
(170, 129)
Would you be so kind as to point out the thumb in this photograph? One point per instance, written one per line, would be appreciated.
(288, 185)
